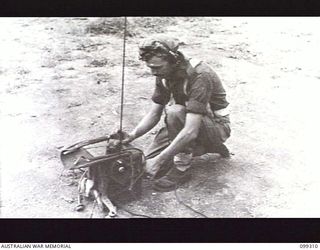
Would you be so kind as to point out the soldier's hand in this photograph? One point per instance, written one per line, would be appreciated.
(126, 137)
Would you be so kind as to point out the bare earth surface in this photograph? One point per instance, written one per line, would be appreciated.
(61, 84)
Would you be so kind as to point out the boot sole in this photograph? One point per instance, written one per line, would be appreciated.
(173, 187)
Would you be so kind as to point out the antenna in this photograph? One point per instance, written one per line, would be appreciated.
(122, 85)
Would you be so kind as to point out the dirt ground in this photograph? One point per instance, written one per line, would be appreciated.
(60, 83)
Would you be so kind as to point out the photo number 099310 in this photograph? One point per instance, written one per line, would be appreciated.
(308, 245)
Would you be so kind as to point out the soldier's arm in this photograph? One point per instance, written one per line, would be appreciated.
(148, 122)
(186, 135)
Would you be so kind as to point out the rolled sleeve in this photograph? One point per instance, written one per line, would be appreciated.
(199, 94)
(194, 106)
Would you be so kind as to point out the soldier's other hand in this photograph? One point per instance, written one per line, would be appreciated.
(152, 166)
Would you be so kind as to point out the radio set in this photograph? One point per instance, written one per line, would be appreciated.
(118, 170)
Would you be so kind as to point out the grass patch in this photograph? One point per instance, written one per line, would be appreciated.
(136, 26)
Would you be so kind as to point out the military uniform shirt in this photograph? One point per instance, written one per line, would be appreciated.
(196, 88)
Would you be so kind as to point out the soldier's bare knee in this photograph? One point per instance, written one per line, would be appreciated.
(175, 113)
(176, 110)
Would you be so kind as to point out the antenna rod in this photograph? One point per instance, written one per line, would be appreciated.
(122, 85)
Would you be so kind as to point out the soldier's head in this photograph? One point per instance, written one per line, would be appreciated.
(161, 55)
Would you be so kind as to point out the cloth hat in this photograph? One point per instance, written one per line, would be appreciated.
(159, 44)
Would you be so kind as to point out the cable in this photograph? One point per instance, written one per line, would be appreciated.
(93, 207)
(186, 205)
(130, 212)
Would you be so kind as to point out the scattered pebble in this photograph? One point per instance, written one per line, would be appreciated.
(99, 63)
(71, 105)
(62, 90)
(69, 200)
(143, 97)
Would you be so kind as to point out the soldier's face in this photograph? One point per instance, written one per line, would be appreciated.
(160, 67)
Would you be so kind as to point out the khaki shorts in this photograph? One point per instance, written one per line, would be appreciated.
(214, 130)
